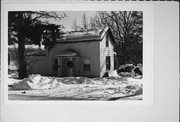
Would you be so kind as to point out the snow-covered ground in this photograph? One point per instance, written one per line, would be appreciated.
(76, 88)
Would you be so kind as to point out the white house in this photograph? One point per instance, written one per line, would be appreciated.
(88, 53)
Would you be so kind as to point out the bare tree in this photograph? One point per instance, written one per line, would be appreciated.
(92, 23)
(96, 22)
(84, 22)
(75, 26)
(126, 27)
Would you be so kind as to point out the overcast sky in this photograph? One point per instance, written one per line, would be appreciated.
(71, 16)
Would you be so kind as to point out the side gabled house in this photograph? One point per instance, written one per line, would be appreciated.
(88, 54)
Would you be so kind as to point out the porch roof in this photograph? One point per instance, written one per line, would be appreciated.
(67, 54)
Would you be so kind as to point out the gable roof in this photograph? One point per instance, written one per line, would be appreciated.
(84, 36)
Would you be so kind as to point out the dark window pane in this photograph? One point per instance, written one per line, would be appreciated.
(86, 67)
(107, 43)
(108, 62)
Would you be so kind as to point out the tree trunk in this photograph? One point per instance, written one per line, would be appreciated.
(22, 62)
(21, 48)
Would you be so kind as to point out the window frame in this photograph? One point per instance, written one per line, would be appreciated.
(86, 67)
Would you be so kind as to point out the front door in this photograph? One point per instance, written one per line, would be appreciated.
(67, 66)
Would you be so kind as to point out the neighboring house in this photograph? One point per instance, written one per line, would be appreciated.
(87, 54)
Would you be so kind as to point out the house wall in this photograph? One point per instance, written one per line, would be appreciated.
(106, 51)
(89, 50)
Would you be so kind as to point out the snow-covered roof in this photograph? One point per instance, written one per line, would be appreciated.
(83, 36)
(37, 53)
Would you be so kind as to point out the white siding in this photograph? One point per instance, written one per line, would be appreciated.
(106, 51)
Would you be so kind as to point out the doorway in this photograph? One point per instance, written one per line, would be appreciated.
(67, 66)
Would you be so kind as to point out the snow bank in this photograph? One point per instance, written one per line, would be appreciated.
(36, 82)
(12, 81)
(79, 88)
(113, 74)
(43, 82)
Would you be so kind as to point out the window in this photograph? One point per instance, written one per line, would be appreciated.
(55, 65)
(107, 42)
(86, 65)
(108, 62)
